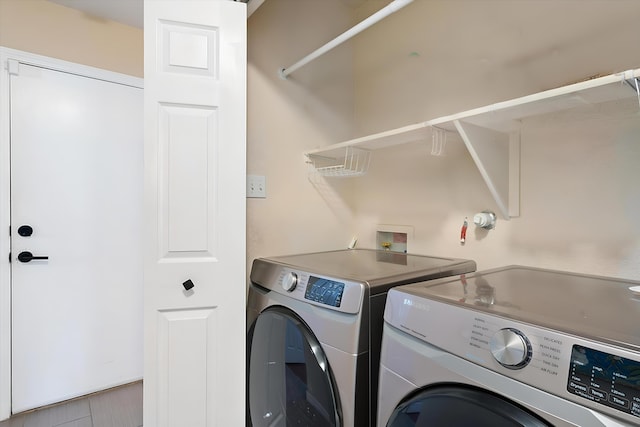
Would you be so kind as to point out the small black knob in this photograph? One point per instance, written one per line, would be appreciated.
(188, 285)
(27, 256)
(25, 230)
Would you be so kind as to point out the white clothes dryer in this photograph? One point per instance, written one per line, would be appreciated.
(513, 346)
(314, 331)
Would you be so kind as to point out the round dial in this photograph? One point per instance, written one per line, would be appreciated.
(511, 348)
(289, 281)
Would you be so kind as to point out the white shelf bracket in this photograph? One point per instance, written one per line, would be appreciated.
(491, 151)
(514, 174)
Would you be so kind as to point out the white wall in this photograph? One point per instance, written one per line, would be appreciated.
(578, 201)
(312, 108)
(432, 58)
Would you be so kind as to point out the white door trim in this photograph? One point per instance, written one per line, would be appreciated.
(6, 55)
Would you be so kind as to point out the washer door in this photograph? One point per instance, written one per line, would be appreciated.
(458, 406)
(289, 379)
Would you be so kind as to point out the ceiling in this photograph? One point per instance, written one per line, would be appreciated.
(128, 12)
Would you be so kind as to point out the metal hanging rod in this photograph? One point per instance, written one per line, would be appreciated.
(392, 7)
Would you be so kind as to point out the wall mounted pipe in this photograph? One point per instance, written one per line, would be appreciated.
(392, 7)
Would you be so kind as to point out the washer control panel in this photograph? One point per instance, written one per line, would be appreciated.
(329, 292)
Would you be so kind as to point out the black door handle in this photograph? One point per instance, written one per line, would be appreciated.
(28, 256)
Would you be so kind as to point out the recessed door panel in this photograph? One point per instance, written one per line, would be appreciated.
(188, 161)
(187, 341)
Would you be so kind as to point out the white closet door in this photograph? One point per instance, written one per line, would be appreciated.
(195, 285)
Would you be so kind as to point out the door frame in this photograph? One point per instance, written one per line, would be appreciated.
(8, 56)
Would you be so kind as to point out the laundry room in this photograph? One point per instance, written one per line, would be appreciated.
(377, 154)
(379, 144)
(577, 198)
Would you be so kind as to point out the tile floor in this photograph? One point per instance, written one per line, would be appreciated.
(118, 407)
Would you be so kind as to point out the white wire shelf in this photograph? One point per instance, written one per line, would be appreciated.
(346, 162)
(492, 133)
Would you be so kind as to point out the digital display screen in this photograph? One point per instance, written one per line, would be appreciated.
(325, 291)
(603, 378)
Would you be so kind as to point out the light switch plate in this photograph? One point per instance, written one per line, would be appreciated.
(256, 186)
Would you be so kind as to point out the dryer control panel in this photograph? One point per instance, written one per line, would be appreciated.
(605, 378)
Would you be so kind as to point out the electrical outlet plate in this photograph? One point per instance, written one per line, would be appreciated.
(256, 186)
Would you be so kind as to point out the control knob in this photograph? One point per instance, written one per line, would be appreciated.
(511, 348)
(289, 281)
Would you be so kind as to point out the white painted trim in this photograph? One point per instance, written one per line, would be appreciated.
(5, 175)
(5, 270)
(69, 67)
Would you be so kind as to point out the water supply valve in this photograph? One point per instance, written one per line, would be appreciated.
(485, 219)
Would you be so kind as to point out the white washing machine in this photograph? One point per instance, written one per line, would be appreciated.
(314, 330)
(514, 346)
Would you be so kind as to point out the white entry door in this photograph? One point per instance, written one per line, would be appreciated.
(195, 155)
(76, 199)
